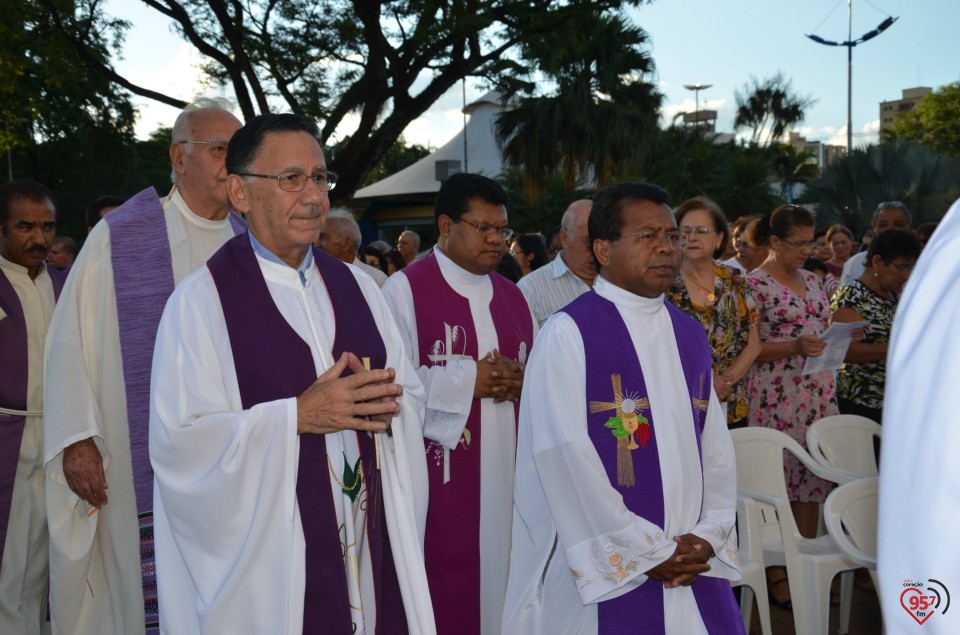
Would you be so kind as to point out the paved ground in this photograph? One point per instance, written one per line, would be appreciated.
(864, 617)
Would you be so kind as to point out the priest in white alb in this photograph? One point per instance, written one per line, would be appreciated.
(282, 504)
(626, 483)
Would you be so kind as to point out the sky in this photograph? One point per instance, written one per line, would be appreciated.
(718, 42)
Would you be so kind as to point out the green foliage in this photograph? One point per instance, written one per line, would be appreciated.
(536, 212)
(769, 108)
(851, 187)
(587, 129)
(399, 156)
(934, 121)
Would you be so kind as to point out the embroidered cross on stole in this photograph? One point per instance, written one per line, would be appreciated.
(628, 424)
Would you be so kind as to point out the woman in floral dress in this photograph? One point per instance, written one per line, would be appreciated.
(716, 296)
(794, 312)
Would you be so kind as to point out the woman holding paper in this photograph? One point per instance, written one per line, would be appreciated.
(793, 313)
(872, 297)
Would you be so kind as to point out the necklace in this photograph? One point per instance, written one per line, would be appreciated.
(710, 294)
(356, 481)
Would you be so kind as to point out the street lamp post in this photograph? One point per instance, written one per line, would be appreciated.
(696, 88)
(850, 43)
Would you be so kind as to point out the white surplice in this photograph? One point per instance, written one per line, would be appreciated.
(563, 491)
(919, 470)
(229, 543)
(23, 575)
(449, 395)
(95, 577)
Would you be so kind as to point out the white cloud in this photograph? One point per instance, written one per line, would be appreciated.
(178, 76)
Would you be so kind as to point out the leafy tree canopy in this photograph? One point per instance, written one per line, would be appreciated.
(934, 121)
(769, 108)
(381, 62)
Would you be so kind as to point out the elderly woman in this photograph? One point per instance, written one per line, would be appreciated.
(715, 295)
(794, 312)
(840, 240)
(872, 297)
(530, 252)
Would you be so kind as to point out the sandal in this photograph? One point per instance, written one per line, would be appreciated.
(786, 605)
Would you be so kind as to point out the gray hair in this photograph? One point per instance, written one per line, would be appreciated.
(414, 235)
(181, 126)
(892, 205)
(347, 225)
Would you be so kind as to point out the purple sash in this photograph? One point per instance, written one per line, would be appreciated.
(452, 549)
(608, 350)
(273, 362)
(14, 376)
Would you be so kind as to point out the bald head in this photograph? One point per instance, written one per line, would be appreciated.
(577, 253)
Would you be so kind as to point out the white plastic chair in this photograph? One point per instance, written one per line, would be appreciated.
(754, 579)
(851, 517)
(811, 563)
(845, 442)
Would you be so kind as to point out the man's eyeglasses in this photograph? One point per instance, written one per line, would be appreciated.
(699, 231)
(217, 147)
(650, 237)
(800, 244)
(296, 181)
(485, 230)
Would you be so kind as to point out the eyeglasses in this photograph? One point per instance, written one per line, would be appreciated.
(801, 245)
(650, 236)
(217, 147)
(296, 181)
(699, 231)
(485, 230)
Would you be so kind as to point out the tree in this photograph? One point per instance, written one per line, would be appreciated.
(769, 108)
(382, 62)
(589, 128)
(399, 156)
(934, 121)
(791, 167)
(852, 186)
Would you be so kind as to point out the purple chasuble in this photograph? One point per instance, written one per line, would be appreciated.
(273, 362)
(142, 281)
(608, 351)
(13, 388)
(452, 549)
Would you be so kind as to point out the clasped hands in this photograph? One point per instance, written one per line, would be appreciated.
(498, 377)
(687, 562)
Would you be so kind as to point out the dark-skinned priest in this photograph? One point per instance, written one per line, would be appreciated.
(282, 503)
(626, 481)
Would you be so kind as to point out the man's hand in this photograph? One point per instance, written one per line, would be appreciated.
(335, 403)
(687, 562)
(83, 469)
(498, 377)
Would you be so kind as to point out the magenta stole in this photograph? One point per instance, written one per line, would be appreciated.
(13, 388)
(608, 349)
(452, 549)
(273, 362)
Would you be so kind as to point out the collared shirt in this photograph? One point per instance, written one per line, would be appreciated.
(269, 256)
(853, 268)
(550, 288)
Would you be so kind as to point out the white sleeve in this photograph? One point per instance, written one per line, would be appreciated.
(448, 388)
(595, 527)
(852, 269)
(717, 520)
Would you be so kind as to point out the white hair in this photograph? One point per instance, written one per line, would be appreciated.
(181, 126)
(347, 225)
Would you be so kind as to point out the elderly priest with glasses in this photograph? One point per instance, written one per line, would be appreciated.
(626, 484)
(285, 427)
(97, 387)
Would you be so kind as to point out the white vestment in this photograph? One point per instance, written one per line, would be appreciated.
(563, 491)
(229, 543)
(449, 394)
(23, 575)
(919, 470)
(95, 572)
(378, 276)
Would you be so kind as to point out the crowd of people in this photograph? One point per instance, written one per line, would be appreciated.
(227, 414)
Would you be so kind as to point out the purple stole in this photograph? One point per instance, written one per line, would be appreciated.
(13, 388)
(142, 280)
(452, 549)
(608, 351)
(273, 362)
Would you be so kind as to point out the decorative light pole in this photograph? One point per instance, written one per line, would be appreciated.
(850, 43)
(696, 88)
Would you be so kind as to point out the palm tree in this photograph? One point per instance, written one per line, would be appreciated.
(590, 126)
(769, 108)
(851, 187)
